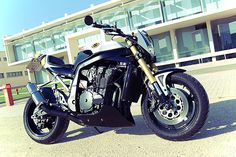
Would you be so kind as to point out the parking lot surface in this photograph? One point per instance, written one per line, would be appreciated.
(217, 137)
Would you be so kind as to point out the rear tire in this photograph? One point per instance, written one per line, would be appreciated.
(56, 130)
(196, 114)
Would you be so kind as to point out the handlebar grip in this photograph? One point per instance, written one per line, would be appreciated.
(98, 25)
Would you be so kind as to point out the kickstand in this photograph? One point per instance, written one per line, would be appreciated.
(98, 130)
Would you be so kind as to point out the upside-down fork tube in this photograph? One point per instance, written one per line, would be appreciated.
(145, 68)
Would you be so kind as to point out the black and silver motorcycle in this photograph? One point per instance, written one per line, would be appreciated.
(104, 84)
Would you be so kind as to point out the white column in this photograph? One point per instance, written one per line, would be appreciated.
(174, 46)
(211, 42)
(72, 48)
(31, 76)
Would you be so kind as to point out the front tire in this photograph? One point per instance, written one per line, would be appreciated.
(44, 129)
(188, 117)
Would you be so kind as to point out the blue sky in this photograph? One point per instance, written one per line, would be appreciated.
(16, 15)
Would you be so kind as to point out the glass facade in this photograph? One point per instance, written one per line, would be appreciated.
(144, 14)
(138, 15)
(212, 5)
(45, 42)
(163, 47)
(41, 77)
(23, 51)
(89, 39)
(224, 33)
(115, 16)
(192, 41)
(175, 9)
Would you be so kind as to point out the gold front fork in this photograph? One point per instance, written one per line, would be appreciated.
(142, 63)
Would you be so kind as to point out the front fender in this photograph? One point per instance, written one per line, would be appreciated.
(162, 75)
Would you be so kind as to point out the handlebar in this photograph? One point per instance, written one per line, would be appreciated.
(108, 29)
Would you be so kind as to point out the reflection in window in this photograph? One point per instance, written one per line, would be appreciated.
(174, 9)
(212, 5)
(115, 16)
(192, 41)
(163, 47)
(41, 77)
(40, 46)
(59, 41)
(145, 14)
(79, 28)
(89, 40)
(45, 45)
(224, 33)
(23, 51)
(49, 44)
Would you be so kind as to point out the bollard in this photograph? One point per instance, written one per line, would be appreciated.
(8, 95)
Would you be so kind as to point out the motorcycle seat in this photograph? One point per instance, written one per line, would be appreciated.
(57, 66)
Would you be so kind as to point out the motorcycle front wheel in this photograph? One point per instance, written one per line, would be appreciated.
(186, 113)
(40, 126)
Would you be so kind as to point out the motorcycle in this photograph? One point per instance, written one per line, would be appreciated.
(103, 85)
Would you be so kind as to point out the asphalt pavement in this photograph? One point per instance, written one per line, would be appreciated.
(217, 137)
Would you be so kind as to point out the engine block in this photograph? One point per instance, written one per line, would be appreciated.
(98, 78)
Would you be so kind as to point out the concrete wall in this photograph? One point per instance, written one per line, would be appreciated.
(14, 81)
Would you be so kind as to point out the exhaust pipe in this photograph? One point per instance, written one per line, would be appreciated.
(36, 94)
(39, 99)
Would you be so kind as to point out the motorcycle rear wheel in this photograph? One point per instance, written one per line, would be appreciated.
(189, 115)
(51, 130)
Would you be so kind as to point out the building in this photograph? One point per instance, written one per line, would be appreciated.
(185, 32)
(15, 75)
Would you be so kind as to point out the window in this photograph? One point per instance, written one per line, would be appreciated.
(26, 73)
(1, 75)
(0, 59)
(192, 41)
(49, 44)
(14, 74)
(114, 16)
(211, 5)
(59, 41)
(44, 45)
(4, 58)
(41, 77)
(17, 52)
(90, 39)
(224, 33)
(175, 9)
(23, 51)
(145, 14)
(40, 46)
(163, 47)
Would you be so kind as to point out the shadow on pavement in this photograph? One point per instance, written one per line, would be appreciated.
(221, 119)
(81, 133)
(138, 129)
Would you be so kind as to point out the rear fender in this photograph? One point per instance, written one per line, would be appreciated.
(162, 75)
(48, 94)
